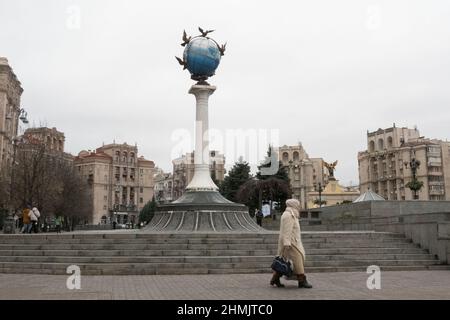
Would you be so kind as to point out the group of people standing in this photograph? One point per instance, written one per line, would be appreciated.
(30, 219)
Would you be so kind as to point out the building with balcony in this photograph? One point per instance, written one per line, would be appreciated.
(305, 173)
(121, 182)
(385, 166)
(10, 111)
(163, 186)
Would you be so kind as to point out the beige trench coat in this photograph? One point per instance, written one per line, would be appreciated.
(290, 236)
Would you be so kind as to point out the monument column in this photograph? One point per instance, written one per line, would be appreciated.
(202, 208)
(202, 178)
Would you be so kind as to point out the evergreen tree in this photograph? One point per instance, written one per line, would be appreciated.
(148, 211)
(273, 187)
(238, 175)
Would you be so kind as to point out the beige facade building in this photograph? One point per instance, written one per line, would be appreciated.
(332, 194)
(308, 175)
(183, 171)
(52, 140)
(305, 173)
(10, 111)
(121, 182)
(385, 166)
(163, 186)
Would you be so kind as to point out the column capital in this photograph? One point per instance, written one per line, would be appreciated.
(199, 88)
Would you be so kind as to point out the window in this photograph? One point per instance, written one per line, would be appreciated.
(141, 200)
(104, 207)
(285, 156)
(296, 155)
(371, 146)
(105, 198)
(141, 190)
(105, 187)
(380, 144)
(389, 141)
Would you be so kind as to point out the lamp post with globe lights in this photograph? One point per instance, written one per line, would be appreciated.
(414, 185)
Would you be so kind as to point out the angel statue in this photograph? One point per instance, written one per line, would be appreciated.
(331, 167)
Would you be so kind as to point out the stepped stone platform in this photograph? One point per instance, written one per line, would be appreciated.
(143, 253)
(203, 211)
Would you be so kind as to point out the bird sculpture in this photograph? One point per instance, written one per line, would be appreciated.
(186, 39)
(204, 33)
(222, 49)
(182, 62)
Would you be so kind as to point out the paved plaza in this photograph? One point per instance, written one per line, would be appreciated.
(349, 285)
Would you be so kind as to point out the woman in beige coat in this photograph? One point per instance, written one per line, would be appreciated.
(290, 244)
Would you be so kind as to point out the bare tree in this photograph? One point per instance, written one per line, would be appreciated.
(48, 180)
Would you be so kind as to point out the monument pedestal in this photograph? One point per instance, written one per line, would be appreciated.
(202, 207)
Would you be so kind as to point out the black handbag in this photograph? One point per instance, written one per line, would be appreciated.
(282, 266)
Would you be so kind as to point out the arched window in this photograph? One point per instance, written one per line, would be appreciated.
(285, 156)
(131, 157)
(371, 146)
(389, 142)
(296, 155)
(380, 144)
(49, 142)
(61, 148)
(124, 156)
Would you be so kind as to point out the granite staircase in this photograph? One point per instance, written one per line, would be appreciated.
(138, 253)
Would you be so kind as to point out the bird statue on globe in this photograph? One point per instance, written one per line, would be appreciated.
(201, 55)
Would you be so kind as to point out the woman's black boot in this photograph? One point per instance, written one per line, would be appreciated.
(276, 280)
(302, 282)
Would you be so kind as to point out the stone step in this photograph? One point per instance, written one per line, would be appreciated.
(196, 268)
(25, 240)
(199, 246)
(209, 259)
(217, 263)
(179, 235)
(25, 270)
(133, 252)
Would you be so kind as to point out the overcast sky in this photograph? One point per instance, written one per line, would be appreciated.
(320, 72)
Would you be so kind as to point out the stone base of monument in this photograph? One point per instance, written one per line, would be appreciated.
(203, 211)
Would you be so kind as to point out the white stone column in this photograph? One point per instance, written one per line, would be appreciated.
(202, 178)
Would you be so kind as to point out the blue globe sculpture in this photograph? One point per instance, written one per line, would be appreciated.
(202, 57)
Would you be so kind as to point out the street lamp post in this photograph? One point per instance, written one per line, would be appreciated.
(320, 195)
(414, 165)
(9, 223)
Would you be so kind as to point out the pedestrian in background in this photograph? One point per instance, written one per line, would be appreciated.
(58, 222)
(26, 219)
(34, 217)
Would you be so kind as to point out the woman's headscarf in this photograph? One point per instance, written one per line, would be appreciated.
(294, 205)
